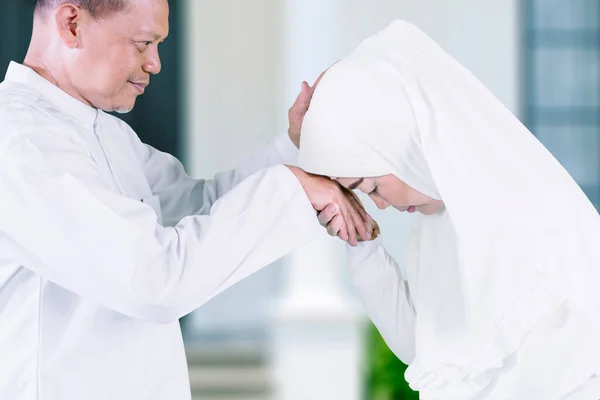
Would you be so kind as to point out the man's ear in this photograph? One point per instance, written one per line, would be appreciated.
(68, 18)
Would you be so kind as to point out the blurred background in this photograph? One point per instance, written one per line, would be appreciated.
(232, 68)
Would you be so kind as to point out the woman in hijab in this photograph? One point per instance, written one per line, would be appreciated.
(498, 294)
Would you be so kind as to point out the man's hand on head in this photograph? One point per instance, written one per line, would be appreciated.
(298, 110)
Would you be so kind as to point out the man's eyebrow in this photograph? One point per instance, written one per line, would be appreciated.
(356, 184)
(155, 35)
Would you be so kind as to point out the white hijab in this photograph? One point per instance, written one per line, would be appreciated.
(518, 238)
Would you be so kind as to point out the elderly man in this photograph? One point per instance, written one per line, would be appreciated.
(106, 242)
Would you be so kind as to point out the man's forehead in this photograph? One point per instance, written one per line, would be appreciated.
(157, 33)
(149, 17)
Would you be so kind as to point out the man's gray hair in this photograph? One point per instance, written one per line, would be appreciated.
(97, 8)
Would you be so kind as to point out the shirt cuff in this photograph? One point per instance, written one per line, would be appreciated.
(287, 149)
(360, 253)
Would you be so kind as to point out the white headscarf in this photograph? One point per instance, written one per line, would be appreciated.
(518, 237)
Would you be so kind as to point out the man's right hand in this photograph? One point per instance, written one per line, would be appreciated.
(350, 220)
(332, 221)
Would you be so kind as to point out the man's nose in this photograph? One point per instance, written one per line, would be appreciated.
(153, 65)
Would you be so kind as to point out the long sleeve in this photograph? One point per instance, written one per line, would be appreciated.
(385, 295)
(61, 220)
(180, 195)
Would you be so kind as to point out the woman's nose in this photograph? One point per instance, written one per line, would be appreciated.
(381, 203)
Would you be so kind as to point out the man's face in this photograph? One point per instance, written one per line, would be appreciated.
(118, 53)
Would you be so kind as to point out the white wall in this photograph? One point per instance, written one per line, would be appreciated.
(232, 64)
(232, 90)
(236, 101)
(481, 34)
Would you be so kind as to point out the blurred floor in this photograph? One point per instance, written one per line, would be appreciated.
(228, 371)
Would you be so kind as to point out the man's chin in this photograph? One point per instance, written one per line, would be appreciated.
(124, 106)
(123, 110)
(117, 108)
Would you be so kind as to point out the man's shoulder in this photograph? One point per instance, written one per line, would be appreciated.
(21, 105)
(26, 115)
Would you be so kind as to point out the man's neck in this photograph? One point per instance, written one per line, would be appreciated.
(39, 64)
(40, 68)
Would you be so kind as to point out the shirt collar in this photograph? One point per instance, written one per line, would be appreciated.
(61, 100)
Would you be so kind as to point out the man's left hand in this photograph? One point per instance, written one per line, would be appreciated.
(298, 110)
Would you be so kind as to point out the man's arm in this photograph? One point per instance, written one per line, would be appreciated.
(180, 195)
(62, 221)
